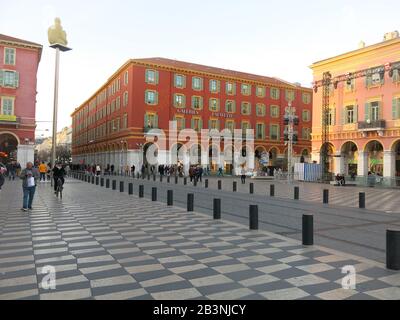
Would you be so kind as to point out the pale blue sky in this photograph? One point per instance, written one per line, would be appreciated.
(273, 38)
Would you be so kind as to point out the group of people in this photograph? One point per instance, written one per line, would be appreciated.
(196, 173)
(13, 170)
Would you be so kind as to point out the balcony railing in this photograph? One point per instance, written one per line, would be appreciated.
(7, 119)
(371, 125)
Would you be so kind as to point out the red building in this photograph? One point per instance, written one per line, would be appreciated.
(19, 61)
(111, 126)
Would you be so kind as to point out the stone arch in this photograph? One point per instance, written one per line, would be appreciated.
(374, 149)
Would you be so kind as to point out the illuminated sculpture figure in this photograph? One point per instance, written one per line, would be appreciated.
(56, 34)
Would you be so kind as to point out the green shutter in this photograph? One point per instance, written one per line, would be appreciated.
(380, 110)
(395, 114)
(201, 103)
(201, 124)
(145, 120)
(157, 77)
(156, 98)
(16, 79)
(343, 118)
(209, 124)
(367, 111)
(155, 121)
(355, 113)
(1, 78)
(192, 123)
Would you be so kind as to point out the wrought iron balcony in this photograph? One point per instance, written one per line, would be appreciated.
(10, 120)
(371, 125)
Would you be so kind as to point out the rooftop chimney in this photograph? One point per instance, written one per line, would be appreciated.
(391, 35)
(361, 44)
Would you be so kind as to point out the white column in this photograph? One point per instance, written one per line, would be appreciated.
(338, 163)
(362, 167)
(389, 163)
(25, 153)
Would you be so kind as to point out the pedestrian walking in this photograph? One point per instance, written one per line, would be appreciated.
(98, 170)
(42, 171)
(243, 176)
(29, 177)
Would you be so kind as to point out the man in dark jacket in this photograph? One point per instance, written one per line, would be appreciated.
(29, 177)
(58, 172)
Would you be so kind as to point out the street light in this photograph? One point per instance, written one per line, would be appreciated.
(58, 40)
(290, 119)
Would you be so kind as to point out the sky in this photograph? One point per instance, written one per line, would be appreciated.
(279, 38)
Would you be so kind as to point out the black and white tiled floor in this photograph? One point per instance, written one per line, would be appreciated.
(105, 244)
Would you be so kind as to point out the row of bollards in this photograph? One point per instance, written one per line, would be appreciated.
(392, 236)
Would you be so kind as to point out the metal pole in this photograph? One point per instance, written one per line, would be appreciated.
(55, 108)
(308, 229)
(217, 209)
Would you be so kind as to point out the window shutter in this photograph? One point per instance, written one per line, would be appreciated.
(356, 113)
(209, 124)
(145, 120)
(192, 123)
(218, 85)
(380, 110)
(201, 84)
(1, 78)
(183, 101)
(155, 121)
(184, 81)
(394, 109)
(201, 102)
(16, 79)
(368, 81)
(367, 111)
(201, 124)
(157, 77)
(343, 119)
(156, 98)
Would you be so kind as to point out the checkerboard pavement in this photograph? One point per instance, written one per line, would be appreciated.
(105, 244)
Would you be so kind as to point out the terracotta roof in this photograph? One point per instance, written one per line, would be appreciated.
(214, 70)
(3, 37)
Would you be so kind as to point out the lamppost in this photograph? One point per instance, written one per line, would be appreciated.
(140, 145)
(290, 119)
(58, 40)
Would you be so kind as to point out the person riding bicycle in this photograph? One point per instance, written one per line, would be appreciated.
(58, 172)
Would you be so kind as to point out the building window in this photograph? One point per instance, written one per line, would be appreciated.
(274, 111)
(306, 97)
(214, 86)
(246, 89)
(151, 76)
(396, 75)
(289, 95)
(374, 79)
(230, 88)
(349, 87)
(246, 108)
(305, 115)
(197, 123)
(230, 125)
(112, 106)
(349, 116)
(118, 102)
(396, 108)
(260, 110)
(125, 102)
(274, 93)
(179, 100)
(260, 131)
(306, 133)
(150, 120)
(274, 132)
(331, 116)
(197, 83)
(151, 97)
(180, 122)
(180, 81)
(230, 106)
(260, 91)
(244, 126)
(9, 56)
(7, 106)
(9, 78)
(214, 104)
(126, 77)
(374, 111)
(197, 102)
(213, 124)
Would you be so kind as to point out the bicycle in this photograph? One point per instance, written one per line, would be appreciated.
(59, 188)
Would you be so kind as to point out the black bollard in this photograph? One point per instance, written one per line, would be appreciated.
(184, 181)
(253, 217)
(217, 209)
(251, 187)
(121, 186)
(393, 249)
(108, 183)
(114, 184)
(168, 179)
(234, 187)
(206, 183)
(219, 184)
(361, 200)
(308, 230)
(272, 190)
(170, 197)
(130, 188)
(92, 179)
(190, 202)
(153, 194)
(97, 181)
(325, 196)
(296, 193)
(101, 182)
(141, 191)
